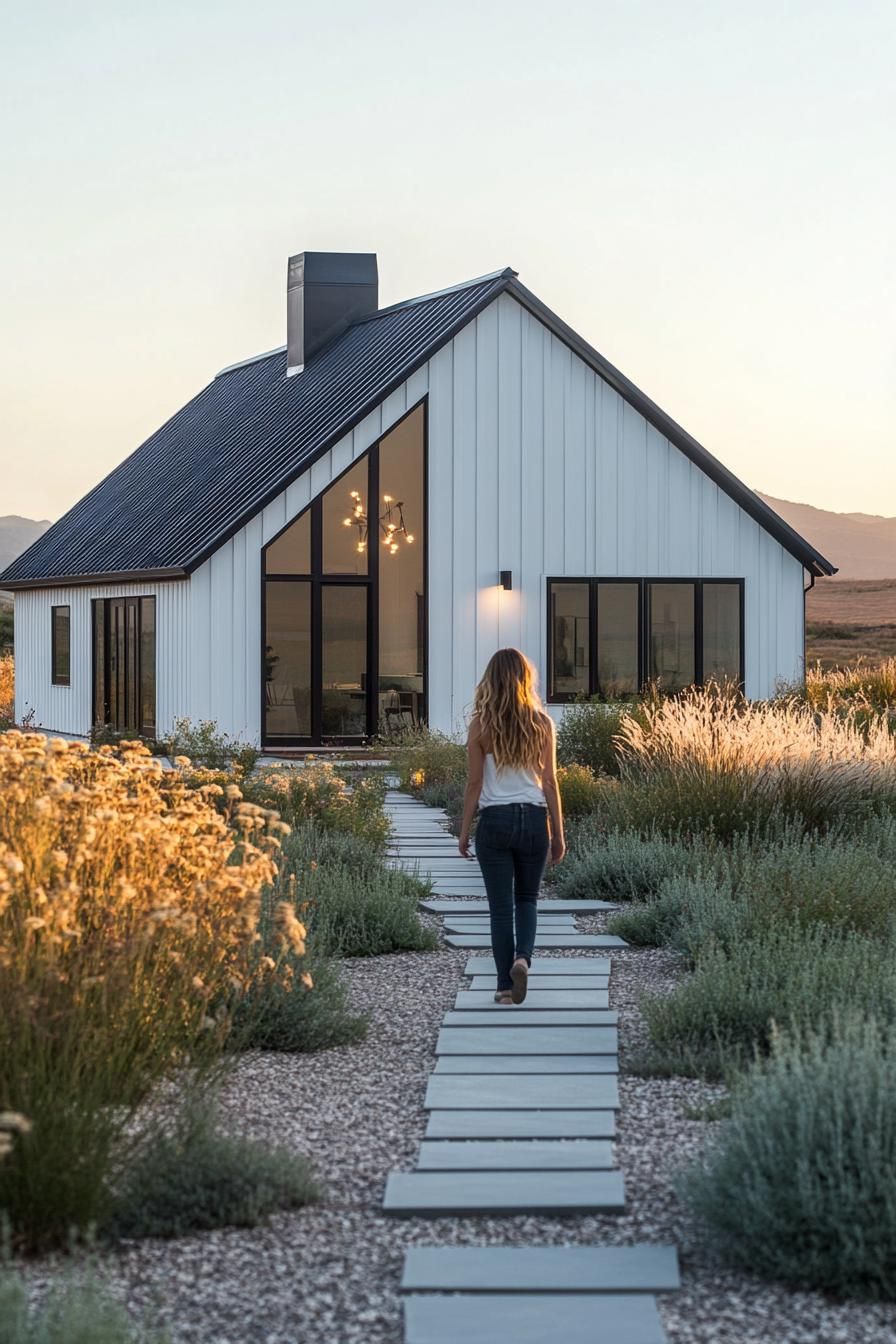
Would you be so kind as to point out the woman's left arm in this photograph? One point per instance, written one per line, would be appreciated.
(475, 763)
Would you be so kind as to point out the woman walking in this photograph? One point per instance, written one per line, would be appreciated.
(512, 777)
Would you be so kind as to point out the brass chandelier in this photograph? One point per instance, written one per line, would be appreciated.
(390, 524)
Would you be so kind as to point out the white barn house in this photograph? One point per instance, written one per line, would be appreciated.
(332, 538)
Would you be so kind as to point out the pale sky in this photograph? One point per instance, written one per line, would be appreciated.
(706, 191)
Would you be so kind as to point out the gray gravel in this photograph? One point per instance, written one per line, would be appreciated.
(330, 1273)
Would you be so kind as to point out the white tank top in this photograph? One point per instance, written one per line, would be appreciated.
(510, 785)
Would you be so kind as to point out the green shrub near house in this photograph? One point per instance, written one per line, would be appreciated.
(76, 1311)
(784, 975)
(194, 1176)
(617, 865)
(587, 734)
(842, 878)
(800, 1182)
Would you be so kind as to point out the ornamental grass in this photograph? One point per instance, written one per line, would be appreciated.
(129, 907)
(710, 761)
(871, 685)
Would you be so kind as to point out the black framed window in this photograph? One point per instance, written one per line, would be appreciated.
(60, 645)
(609, 637)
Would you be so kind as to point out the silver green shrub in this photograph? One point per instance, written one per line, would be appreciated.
(801, 1183)
(785, 975)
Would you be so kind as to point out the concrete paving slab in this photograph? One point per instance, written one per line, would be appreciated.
(499, 1040)
(547, 1092)
(432, 1194)
(521, 1063)
(516, 1155)
(533, 1269)
(510, 1017)
(616, 1318)
(531, 1124)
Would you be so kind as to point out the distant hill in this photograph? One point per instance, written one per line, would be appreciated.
(861, 545)
(16, 535)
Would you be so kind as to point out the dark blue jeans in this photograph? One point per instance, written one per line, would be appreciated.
(512, 848)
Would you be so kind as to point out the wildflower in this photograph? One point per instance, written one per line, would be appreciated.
(307, 981)
(182, 761)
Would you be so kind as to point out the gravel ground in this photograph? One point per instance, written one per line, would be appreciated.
(329, 1273)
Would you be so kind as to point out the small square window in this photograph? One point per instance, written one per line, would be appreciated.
(61, 619)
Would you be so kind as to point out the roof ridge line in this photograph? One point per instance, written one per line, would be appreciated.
(506, 273)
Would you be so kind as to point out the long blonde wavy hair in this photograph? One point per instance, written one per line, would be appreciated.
(512, 720)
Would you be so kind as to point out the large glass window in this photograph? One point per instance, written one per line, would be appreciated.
(345, 601)
(60, 644)
(618, 620)
(721, 632)
(287, 658)
(672, 661)
(608, 637)
(570, 672)
(402, 623)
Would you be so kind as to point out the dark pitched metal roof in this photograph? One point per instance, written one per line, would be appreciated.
(240, 442)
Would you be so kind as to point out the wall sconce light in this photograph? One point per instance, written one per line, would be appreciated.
(505, 578)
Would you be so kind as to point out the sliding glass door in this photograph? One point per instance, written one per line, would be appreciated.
(124, 664)
(344, 606)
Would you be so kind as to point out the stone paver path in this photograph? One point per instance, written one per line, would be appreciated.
(522, 1110)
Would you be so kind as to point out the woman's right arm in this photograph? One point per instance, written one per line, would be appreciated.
(551, 791)
(475, 764)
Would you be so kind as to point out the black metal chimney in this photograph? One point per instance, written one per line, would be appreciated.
(325, 291)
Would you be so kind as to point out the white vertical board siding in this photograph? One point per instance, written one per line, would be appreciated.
(68, 709)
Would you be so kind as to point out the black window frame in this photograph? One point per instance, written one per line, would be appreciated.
(60, 678)
(644, 585)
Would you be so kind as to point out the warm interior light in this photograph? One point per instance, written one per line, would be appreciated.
(346, 522)
(387, 499)
(409, 537)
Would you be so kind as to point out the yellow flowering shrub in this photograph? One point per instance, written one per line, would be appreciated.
(129, 907)
(7, 690)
